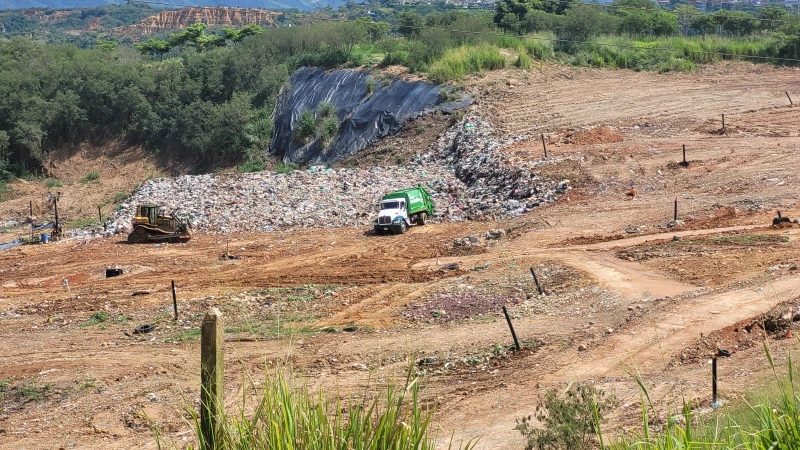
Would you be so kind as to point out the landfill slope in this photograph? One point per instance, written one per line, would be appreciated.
(367, 109)
(466, 173)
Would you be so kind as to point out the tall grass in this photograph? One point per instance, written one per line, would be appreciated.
(291, 417)
(457, 62)
(537, 45)
(665, 54)
(766, 424)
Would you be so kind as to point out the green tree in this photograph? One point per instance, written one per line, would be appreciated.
(375, 30)
(788, 37)
(640, 17)
(537, 20)
(4, 172)
(509, 14)
(249, 30)
(583, 21)
(229, 34)
(664, 23)
(409, 23)
(705, 24)
(685, 14)
(154, 47)
(771, 17)
(738, 23)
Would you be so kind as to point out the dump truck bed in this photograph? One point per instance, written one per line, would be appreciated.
(417, 199)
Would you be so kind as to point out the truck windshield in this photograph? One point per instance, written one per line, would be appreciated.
(390, 205)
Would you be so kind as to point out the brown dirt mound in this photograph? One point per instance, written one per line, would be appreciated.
(599, 135)
(743, 334)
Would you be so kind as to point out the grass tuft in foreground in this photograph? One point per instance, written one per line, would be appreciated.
(770, 423)
(289, 417)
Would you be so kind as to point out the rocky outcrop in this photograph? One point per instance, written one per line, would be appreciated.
(211, 16)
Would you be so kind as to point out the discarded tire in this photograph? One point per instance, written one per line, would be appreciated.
(142, 329)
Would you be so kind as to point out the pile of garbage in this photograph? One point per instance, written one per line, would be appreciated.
(465, 172)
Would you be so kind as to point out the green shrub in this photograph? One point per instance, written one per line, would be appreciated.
(97, 318)
(252, 165)
(456, 63)
(285, 167)
(325, 109)
(120, 197)
(370, 86)
(327, 128)
(569, 419)
(523, 61)
(4, 189)
(540, 46)
(33, 392)
(90, 177)
(306, 127)
(53, 182)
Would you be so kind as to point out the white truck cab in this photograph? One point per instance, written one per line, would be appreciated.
(393, 215)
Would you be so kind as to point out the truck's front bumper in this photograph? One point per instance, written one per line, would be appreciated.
(389, 228)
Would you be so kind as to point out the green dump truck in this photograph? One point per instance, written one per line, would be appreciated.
(402, 209)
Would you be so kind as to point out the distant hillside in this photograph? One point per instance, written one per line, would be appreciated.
(262, 4)
(61, 25)
(212, 17)
(55, 4)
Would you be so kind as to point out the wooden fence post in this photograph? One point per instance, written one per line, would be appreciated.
(174, 301)
(511, 327)
(536, 280)
(544, 146)
(714, 380)
(211, 378)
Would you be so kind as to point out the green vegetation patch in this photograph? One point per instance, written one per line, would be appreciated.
(52, 183)
(286, 413)
(90, 177)
(96, 319)
(456, 63)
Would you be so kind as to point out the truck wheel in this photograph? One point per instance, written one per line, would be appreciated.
(403, 227)
(422, 218)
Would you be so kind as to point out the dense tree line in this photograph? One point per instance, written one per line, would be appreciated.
(205, 97)
(205, 107)
(575, 20)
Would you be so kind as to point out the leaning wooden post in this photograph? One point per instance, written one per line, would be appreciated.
(791, 103)
(536, 280)
(544, 146)
(211, 381)
(723, 123)
(174, 301)
(511, 327)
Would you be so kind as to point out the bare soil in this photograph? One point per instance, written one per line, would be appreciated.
(628, 290)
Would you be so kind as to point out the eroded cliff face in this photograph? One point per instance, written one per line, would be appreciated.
(213, 17)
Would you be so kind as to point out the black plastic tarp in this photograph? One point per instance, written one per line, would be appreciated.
(365, 116)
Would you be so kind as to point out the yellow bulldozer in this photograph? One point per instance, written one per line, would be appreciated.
(150, 225)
